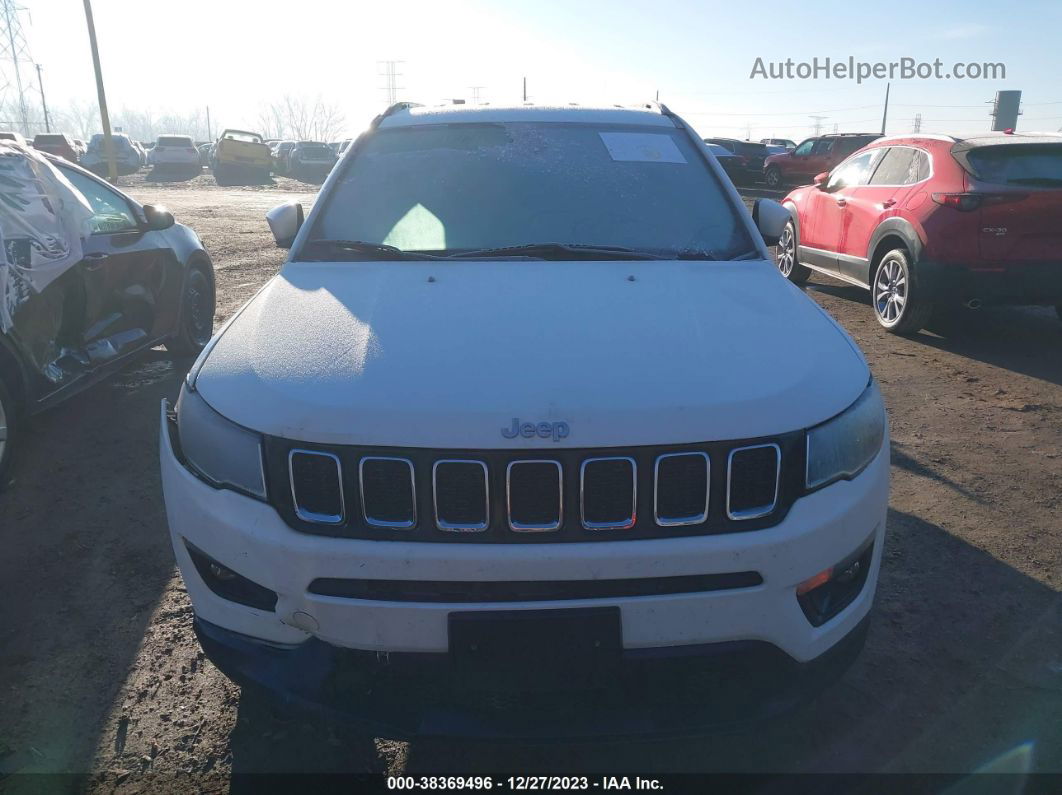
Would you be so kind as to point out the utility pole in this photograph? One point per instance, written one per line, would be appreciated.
(105, 119)
(389, 71)
(13, 48)
(818, 123)
(885, 115)
(209, 136)
(917, 123)
(44, 104)
(475, 94)
(525, 89)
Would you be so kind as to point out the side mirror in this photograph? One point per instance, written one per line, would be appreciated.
(821, 180)
(158, 217)
(285, 221)
(770, 218)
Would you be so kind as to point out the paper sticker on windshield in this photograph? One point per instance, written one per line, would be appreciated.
(642, 147)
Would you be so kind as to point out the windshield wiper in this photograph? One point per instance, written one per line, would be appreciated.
(375, 250)
(716, 256)
(557, 251)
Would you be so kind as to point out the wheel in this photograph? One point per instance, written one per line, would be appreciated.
(787, 257)
(773, 178)
(221, 175)
(8, 432)
(197, 314)
(898, 305)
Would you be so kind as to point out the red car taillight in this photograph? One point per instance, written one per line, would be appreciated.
(967, 202)
(963, 202)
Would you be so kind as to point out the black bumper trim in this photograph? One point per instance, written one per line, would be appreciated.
(531, 590)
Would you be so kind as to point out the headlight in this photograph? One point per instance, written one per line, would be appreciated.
(221, 451)
(843, 446)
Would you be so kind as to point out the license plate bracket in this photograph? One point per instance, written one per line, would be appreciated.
(542, 641)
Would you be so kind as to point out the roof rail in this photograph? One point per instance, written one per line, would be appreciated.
(659, 107)
(393, 109)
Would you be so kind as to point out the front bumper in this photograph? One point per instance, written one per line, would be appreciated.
(671, 691)
(299, 648)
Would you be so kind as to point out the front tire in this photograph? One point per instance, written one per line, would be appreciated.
(9, 422)
(899, 305)
(773, 178)
(788, 265)
(197, 313)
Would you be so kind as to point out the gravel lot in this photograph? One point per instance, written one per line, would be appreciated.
(102, 677)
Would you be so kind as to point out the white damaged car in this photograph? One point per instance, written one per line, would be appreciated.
(175, 153)
(528, 438)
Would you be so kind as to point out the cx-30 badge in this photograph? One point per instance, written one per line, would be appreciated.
(544, 430)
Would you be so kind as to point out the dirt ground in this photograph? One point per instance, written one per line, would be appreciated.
(102, 678)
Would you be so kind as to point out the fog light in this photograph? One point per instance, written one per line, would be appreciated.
(220, 572)
(228, 584)
(830, 591)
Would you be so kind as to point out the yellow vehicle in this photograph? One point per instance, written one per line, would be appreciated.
(240, 156)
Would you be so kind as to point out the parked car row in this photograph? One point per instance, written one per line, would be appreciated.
(777, 162)
(309, 161)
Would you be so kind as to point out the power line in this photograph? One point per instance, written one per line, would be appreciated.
(13, 51)
(785, 113)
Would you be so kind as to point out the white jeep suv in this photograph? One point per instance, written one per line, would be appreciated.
(529, 438)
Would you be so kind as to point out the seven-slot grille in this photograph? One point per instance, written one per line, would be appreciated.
(557, 495)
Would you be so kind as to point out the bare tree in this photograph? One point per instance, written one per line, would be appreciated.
(81, 119)
(302, 119)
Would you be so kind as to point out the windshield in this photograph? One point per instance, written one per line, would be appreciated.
(462, 187)
(235, 135)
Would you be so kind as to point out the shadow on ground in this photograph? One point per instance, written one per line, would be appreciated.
(85, 560)
(1026, 339)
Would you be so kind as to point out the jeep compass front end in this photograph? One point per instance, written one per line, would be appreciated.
(529, 438)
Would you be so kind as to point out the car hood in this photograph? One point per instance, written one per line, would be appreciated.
(431, 354)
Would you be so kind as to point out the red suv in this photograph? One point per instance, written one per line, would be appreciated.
(812, 157)
(929, 220)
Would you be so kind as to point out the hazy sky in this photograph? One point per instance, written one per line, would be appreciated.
(236, 55)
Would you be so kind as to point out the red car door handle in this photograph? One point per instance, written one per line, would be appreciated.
(888, 203)
(842, 202)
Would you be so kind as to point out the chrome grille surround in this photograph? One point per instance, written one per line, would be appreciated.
(632, 518)
(412, 491)
(759, 511)
(681, 521)
(312, 516)
(518, 527)
(452, 527)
